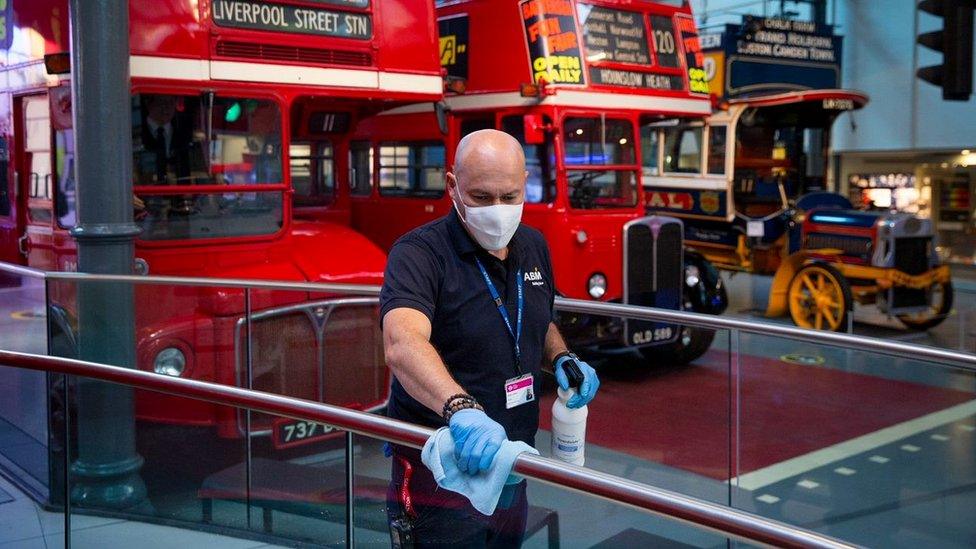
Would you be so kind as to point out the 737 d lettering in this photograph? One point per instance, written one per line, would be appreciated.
(301, 430)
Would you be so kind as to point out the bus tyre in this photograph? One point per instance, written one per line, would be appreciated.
(820, 298)
(691, 344)
(937, 312)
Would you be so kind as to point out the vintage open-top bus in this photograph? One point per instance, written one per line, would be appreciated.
(241, 110)
(751, 185)
(573, 81)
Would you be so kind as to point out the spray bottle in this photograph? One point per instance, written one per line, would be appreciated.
(569, 424)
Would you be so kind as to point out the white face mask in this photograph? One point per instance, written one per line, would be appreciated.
(491, 226)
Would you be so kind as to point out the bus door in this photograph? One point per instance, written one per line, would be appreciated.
(35, 181)
(405, 155)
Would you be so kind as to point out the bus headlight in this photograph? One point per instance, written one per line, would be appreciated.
(596, 286)
(692, 276)
(170, 362)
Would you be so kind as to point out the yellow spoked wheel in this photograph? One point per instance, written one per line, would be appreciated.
(820, 298)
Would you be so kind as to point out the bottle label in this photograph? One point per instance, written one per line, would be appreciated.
(566, 448)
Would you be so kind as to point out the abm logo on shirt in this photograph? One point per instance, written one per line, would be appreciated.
(535, 277)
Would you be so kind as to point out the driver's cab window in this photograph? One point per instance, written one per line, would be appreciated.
(540, 162)
(312, 166)
(650, 142)
(683, 149)
(600, 159)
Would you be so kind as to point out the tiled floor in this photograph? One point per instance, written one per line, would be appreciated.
(23, 525)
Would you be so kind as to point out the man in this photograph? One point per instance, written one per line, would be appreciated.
(467, 309)
(166, 140)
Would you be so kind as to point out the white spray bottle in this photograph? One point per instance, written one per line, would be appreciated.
(569, 424)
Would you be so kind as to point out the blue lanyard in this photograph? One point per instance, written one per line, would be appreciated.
(502, 310)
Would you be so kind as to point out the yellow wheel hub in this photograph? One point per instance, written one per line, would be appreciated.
(817, 299)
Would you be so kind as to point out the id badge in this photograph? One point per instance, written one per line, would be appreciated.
(519, 390)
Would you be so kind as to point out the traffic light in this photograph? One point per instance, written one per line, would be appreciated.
(955, 41)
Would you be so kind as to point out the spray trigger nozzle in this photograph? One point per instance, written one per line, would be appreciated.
(573, 373)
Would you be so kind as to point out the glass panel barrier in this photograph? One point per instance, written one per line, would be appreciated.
(190, 487)
(24, 433)
(965, 312)
(176, 482)
(324, 348)
(655, 419)
(865, 447)
(749, 296)
(137, 453)
(32, 512)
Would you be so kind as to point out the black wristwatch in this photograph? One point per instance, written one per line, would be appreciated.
(568, 353)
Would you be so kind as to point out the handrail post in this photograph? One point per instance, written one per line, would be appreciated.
(106, 471)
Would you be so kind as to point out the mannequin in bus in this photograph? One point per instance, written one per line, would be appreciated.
(166, 139)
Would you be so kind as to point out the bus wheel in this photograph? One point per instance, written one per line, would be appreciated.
(691, 344)
(938, 310)
(820, 298)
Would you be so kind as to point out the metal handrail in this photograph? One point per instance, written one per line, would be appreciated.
(29, 272)
(701, 514)
(957, 359)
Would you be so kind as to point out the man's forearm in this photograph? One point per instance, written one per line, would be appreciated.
(554, 344)
(418, 367)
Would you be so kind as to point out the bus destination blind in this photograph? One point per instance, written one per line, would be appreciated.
(258, 15)
(613, 35)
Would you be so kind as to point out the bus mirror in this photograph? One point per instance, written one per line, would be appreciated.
(535, 129)
(440, 111)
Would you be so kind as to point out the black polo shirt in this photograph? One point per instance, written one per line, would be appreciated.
(432, 269)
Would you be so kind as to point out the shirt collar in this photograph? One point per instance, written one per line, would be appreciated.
(464, 244)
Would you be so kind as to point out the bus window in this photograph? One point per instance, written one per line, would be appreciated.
(360, 168)
(312, 173)
(37, 149)
(682, 149)
(650, 141)
(412, 169)
(64, 172)
(716, 149)
(168, 141)
(171, 146)
(540, 186)
(592, 142)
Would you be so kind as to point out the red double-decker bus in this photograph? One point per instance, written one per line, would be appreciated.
(242, 112)
(577, 82)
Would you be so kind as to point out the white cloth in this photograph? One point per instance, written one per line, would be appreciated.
(484, 489)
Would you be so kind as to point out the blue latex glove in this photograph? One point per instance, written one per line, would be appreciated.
(477, 439)
(587, 389)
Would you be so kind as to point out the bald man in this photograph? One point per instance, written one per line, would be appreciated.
(467, 309)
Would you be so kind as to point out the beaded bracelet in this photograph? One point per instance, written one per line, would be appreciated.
(458, 402)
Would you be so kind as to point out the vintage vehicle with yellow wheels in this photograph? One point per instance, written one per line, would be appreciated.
(849, 256)
(750, 185)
